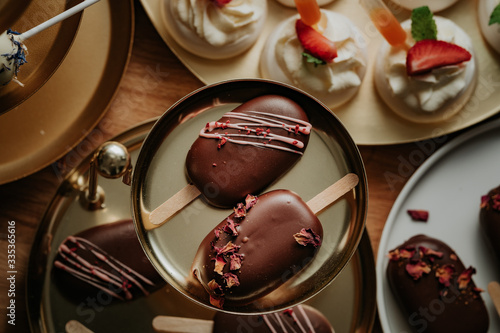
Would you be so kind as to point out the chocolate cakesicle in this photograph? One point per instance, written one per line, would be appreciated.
(434, 288)
(262, 244)
(299, 319)
(489, 219)
(242, 153)
(107, 258)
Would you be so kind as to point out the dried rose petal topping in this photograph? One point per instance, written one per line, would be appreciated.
(417, 269)
(219, 264)
(445, 274)
(464, 278)
(230, 247)
(418, 214)
(430, 252)
(231, 280)
(484, 201)
(218, 302)
(240, 211)
(453, 256)
(230, 227)
(235, 261)
(306, 237)
(496, 201)
(214, 286)
(397, 254)
(250, 201)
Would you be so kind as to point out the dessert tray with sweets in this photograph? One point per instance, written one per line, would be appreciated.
(444, 200)
(70, 231)
(369, 120)
(59, 114)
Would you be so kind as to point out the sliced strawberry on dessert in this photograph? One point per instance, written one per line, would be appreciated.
(315, 43)
(428, 54)
(221, 3)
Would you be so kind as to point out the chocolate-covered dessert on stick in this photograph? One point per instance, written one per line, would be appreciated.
(242, 153)
(107, 258)
(301, 318)
(434, 288)
(266, 241)
(489, 219)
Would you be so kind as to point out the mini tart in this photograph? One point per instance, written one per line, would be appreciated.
(491, 33)
(314, 79)
(413, 109)
(434, 5)
(242, 37)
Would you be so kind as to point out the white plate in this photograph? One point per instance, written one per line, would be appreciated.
(449, 185)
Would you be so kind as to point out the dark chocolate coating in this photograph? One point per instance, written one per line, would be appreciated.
(489, 220)
(226, 175)
(429, 306)
(117, 240)
(227, 323)
(271, 255)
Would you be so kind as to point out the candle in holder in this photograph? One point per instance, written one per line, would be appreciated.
(385, 22)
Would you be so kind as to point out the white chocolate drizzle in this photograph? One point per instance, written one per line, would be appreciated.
(277, 325)
(119, 278)
(250, 127)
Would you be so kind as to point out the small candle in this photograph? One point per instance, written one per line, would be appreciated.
(309, 11)
(385, 22)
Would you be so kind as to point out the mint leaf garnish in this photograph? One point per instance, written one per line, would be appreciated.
(423, 25)
(495, 15)
(313, 59)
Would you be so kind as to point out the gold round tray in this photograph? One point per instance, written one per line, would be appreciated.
(66, 109)
(46, 50)
(349, 302)
(366, 117)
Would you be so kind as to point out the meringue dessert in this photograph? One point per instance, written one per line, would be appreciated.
(12, 56)
(431, 77)
(215, 29)
(327, 60)
(488, 12)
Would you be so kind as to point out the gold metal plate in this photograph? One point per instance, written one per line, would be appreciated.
(160, 173)
(366, 117)
(46, 50)
(71, 103)
(348, 302)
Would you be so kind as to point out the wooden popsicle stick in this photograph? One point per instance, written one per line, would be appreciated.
(173, 205)
(169, 324)
(74, 326)
(333, 193)
(494, 291)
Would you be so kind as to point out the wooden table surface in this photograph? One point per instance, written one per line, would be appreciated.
(25, 201)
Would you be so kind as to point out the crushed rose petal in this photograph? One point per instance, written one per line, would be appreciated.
(250, 201)
(307, 237)
(214, 286)
(231, 280)
(418, 214)
(230, 227)
(484, 201)
(219, 264)
(235, 261)
(218, 302)
(431, 253)
(240, 211)
(465, 277)
(417, 269)
(445, 274)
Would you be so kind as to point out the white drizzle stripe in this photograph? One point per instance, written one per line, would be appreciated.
(280, 323)
(95, 275)
(255, 119)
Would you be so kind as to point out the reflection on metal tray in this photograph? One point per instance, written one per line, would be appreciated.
(66, 109)
(366, 117)
(348, 303)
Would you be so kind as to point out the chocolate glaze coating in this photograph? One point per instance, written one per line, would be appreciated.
(489, 219)
(296, 319)
(271, 255)
(226, 175)
(117, 241)
(429, 305)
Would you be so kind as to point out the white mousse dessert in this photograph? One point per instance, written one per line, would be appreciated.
(436, 94)
(12, 56)
(334, 83)
(215, 29)
(490, 31)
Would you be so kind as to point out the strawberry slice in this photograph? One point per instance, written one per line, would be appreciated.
(221, 3)
(428, 54)
(315, 43)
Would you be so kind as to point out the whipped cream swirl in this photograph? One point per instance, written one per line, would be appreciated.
(429, 92)
(334, 77)
(220, 25)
